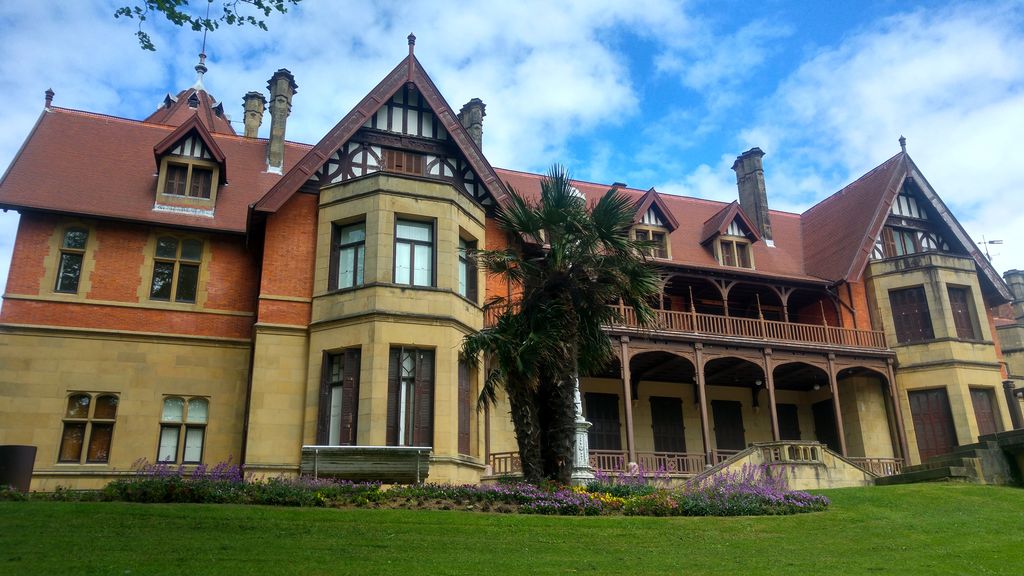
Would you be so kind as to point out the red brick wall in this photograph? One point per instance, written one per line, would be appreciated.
(289, 257)
(496, 239)
(30, 249)
(119, 254)
(856, 298)
(129, 319)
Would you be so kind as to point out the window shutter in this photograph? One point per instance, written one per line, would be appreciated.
(888, 243)
(349, 396)
(471, 274)
(332, 273)
(394, 373)
(465, 402)
(423, 419)
(324, 414)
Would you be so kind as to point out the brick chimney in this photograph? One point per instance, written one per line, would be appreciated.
(472, 118)
(753, 196)
(254, 105)
(282, 87)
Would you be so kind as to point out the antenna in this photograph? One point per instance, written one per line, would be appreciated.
(206, 25)
(986, 244)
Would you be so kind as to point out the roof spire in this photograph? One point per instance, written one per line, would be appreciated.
(200, 70)
(903, 144)
(201, 67)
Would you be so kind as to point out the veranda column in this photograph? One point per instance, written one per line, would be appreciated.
(835, 402)
(769, 379)
(896, 403)
(702, 392)
(581, 472)
(627, 392)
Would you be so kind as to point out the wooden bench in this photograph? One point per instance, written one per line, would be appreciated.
(388, 464)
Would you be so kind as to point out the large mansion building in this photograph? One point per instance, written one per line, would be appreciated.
(180, 292)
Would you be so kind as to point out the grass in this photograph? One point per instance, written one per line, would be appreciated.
(917, 529)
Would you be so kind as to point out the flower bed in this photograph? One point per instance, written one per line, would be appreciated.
(752, 491)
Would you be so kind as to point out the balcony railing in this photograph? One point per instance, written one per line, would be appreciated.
(697, 323)
(754, 328)
(689, 464)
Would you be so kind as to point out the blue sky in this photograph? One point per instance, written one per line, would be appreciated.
(652, 93)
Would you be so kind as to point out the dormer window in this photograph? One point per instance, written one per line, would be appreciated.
(188, 178)
(191, 168)
(657, 238)
(734, 251)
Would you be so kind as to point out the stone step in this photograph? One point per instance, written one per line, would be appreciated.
(945, 460)
(959, 473)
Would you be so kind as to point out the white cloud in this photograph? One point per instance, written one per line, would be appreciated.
(950, 80)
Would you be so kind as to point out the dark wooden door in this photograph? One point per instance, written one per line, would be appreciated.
(728, 416)
(933, 422)
(667, 424)
(985, 411)
(789, 421)
(825, 430)
(603, 414)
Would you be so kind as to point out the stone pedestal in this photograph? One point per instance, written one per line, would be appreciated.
(581, 471)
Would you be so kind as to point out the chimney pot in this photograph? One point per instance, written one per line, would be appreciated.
(49, 97)
(282, 87)
(753, 196)
(254, 104)
(472, 118)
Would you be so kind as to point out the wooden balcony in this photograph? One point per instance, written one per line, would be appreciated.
(772, 330)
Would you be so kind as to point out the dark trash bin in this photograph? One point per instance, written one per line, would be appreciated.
(16, 464)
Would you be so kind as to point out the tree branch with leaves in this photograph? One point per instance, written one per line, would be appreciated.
(233, 13)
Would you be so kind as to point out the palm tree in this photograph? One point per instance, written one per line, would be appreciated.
(567, 262)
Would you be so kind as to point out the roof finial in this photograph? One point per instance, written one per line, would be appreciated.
(903, 144)
(49, 97)
(200, 70)
(412, 61)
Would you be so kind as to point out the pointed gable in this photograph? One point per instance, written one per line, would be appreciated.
(839, 232)
(651, 209)
(729, 220)
(405, 111)
(193, 140)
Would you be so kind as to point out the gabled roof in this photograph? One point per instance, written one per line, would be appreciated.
(840, 231)
(193, 124)
(407, 71)
(652, 198)
(100, 166)
(720, 222)
(175, 110)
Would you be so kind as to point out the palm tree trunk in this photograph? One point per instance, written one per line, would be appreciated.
(527, 424)
(559, 421)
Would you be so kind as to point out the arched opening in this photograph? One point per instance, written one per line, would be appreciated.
(803, 404)
(734, 404)
(682, 291)
(869, 421)
(812, 307)
(754, 301)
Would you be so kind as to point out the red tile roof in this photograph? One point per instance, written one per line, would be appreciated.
(840, 231)
(784, 260)
(175, 110)
(94, 165)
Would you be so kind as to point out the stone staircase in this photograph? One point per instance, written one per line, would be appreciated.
(988, 461)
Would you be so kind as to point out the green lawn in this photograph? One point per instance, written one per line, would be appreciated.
(917, 529)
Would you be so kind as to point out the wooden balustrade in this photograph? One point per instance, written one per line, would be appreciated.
(755, 328)
(505, 463)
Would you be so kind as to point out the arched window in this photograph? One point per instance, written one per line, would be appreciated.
(88, 423)
(183, 430)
